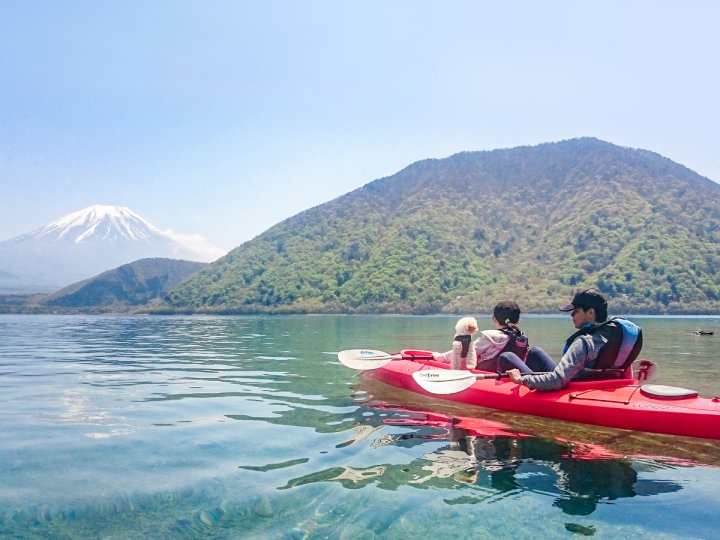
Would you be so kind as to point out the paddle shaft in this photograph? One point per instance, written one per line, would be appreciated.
(450, 381)
(497, 376)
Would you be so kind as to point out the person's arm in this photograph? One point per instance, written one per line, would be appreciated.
(580, 352)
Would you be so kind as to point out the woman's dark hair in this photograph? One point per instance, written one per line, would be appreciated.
(507, 313)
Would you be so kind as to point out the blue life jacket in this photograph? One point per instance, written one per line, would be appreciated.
(624, 341)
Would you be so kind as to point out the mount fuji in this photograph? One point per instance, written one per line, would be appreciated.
(83, 244)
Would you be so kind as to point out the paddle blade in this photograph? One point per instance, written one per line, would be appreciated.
(364, 359)
(444, 381)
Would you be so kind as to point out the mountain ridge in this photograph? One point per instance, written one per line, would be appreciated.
(458, 233)
(133, 284)
(121, 289)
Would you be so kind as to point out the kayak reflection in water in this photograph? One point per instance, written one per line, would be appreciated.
(486, 461)
(580, 476)
(457, 462)
(545, 466)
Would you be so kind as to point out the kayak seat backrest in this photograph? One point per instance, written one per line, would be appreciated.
(643, 370)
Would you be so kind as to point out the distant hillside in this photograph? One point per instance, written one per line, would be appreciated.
(457, 234)
(132, 284)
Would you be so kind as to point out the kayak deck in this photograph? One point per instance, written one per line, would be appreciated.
(617, 403)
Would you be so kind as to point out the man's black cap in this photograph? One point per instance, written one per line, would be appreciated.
(586, 299)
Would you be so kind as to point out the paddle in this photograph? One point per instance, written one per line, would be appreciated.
(450, 381)
(363, 359)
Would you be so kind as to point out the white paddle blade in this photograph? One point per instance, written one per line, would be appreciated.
(444, 381)
(364, 359)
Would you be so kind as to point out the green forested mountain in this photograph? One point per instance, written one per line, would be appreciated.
(132, 284)
(458, 234)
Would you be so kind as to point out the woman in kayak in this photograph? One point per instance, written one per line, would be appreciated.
(505, 337)
(588, 308)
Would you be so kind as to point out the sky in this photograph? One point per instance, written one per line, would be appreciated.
(223, 118)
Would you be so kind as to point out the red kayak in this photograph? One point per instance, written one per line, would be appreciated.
(617, 403)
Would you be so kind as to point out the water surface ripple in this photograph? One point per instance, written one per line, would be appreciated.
(248, 427)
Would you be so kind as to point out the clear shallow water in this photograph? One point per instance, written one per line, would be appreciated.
(246, 427)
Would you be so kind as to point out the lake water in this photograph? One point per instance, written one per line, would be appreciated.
(248, 427)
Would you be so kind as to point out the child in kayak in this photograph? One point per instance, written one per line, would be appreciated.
(505, 337)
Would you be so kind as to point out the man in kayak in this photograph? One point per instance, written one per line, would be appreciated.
(588, 307)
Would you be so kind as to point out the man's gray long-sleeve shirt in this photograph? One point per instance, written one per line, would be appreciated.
(583, 350)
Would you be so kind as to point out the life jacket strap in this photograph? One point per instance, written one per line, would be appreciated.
(466, 341)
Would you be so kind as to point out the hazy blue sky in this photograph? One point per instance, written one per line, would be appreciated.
(222, 118)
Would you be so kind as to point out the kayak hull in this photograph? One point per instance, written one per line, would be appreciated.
(617, 403)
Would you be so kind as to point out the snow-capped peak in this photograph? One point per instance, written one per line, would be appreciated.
(85, 243)
(100, 221)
